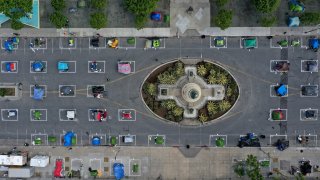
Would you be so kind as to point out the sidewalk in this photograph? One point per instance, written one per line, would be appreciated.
(170, 163)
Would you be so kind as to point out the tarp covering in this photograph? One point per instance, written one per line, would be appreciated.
(37, 66)
(68, 138)
(250, 43)
(124, 68)
(314, 43)
(293, 21)
(282, 90)
(96, 141)
(118, 170)
(62, 66)
(38, 93)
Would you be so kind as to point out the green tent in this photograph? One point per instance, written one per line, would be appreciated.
(37, 114)
(113, 141)
(250, 43)
(74, 140)
(277, 115)
(135, 168)
(52, 139)
(38, 141)
(220, 142)
(159, 140)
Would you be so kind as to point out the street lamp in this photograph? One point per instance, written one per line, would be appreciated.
(316, 28)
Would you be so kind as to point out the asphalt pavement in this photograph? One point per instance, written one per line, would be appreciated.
(251, 68)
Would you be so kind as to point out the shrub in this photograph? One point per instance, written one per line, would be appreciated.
(168, 104)
(310, 18)
(268, 21)
(3, 92)
(166, 78)
(177, 111)
(221, 3)
(222, 79)
(150, 89)
(98, 20)
(266, 6)
(212, 107)
(212, 79)
(203, 117)
(179, 69)
(58, 5)
(16, 24)
(58, 19)
(224, 105)
(223, 19)
(98, 4)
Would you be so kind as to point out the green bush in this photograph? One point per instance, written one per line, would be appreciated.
(58, 5)
(150, 89)
(223, 19)
(266, 6)
(203, 117)
(177, 111)
(16, 24)
(98, 20)
(212, 107)
(3, 92)
(224, 105)
(15, 9)
(221, 3)
(140, 21)
(268, 21)
(98, 4)
(58, 19)
(201, 70)
(310, 18)
(168, 104)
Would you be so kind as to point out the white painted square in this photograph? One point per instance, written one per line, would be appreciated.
(3, 41)
(99, 161)
(75, 67)
(69, 47)
(150, 138)
(65, 118)
(45, 69)
(131, 110)
(308, 119)
(45, 119)
(102, 70)
(309, 96)
(121, 143)
(276, 61)
(103, 138)
(213, 45)
(43, 47)
(133, 69)
(285, 114)
(273, 93)
(6, 119)
(41, 85)
(4, 71)
(214, 137)
(112, 161)
(42, 136)
(75, 91)
(135, 45)
(89, 94)
(303, 61)
(277, 136)
(89, 115)
(131, 161)
(162, 45)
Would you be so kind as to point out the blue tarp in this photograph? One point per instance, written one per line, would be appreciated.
(293, 21)
(118, 170)
(156, 16)
(314, 43)
(95, 141)
(37, 66)
(8, 45)
(282, 90)
(68, 138)
(38, 93)
(63, 66)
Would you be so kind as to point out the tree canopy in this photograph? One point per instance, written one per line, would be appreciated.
(98, 4)
(310, 18)
(58, 5)
(223, 19)
(58, 19)
(98, 20)
(141, 9)
(15, 9)
(266, 6)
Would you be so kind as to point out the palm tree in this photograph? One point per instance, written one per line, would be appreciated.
(212, 79)
(222, 79)
(201, 70)
(179, 69)
(212, 107)
(151, 89)
(177, 111)
(224, 105)
(203, 118)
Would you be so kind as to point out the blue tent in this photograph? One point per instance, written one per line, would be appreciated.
(118, 170)
(68, 138)
(38, 93)
(314, 43)
(293, 21)
(63, 66)
(155, 16)
(282, 90)
(37, 66)
(8, 45)
(96, 141)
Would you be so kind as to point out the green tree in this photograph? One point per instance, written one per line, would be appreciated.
(98, 4)
(223, 19)
(141, 9)
(201, 70)
(224, 105)
(212, 107)
(15, 9)
(151, 89)
(168, 104)
(239, 169)
(266, 6)
(268, 21)
(98, 20)
(310, 18)
(58, 19)
(177, 111)
(203, 118)
(58, 5)
(253, 168)
(16, 24)
(221, 3)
